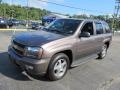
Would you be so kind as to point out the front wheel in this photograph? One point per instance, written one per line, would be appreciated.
(103, 53)
(58, 66)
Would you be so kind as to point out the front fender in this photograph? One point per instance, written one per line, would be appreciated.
(53, 51)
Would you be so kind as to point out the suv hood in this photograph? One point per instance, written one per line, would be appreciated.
(36, 38)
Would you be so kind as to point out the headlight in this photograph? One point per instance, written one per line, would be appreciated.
(33, 52)
(2, 21)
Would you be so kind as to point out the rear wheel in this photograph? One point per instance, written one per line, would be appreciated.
(58, 66)
(103, 53)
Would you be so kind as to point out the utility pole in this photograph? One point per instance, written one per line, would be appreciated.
(11, 17)
(116, 13)
(11, 3)
(4, 9)
(27, 14)
(4, 14)
(0, 1)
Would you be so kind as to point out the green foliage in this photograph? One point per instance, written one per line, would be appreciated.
(18, 12)
(24, 13)
(80, 16)
(106, 18)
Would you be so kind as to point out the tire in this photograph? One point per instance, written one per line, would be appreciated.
(8, 27)
(103, 53)
(4, 26)
(13, 62)
(58, 67)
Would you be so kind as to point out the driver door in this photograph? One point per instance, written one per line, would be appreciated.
(86, 45)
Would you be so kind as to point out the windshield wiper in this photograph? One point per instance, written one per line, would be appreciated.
(57, 31)
(51, 30)
(46, 29)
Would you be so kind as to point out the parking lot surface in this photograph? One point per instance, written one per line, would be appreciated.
(94, 75)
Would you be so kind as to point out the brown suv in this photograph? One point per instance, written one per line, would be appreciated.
(63, 44)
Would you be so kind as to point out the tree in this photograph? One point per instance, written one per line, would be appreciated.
(80, 16)
(19, 12)
(106, 18)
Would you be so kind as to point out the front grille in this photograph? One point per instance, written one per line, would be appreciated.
(19, 48)
(20, 45)
(18, 51)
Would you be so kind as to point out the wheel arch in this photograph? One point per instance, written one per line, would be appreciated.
(107, 43)
(68, 52)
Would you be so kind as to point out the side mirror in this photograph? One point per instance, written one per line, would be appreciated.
(85, 34)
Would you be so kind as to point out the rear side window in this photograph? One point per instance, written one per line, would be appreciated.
(99, 28)
(107, 28)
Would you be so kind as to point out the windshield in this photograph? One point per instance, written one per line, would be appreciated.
(64, 26)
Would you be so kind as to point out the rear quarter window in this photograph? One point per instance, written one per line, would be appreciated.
(107, 28)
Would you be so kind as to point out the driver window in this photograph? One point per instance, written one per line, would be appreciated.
(88, 27)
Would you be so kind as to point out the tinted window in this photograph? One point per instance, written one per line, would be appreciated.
(99, 28)
(88, 27)
(106, 27)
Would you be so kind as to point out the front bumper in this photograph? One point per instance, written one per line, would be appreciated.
(3, 24)
(32, 66)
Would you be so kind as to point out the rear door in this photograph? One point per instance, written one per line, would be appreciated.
(99, 35)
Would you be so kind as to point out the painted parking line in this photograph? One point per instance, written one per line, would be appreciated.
(13, 29)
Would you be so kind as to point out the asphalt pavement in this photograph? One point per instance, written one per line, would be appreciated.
(94, 75)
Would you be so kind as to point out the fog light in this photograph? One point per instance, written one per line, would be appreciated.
(29, 67)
